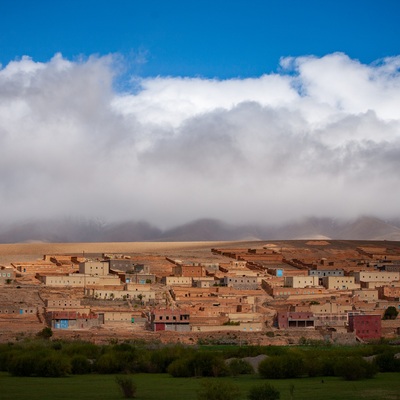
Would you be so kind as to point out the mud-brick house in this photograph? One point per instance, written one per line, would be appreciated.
(366, 326)
(72, 320)
(7, 275)
(170, 320)
(294, 319)
(243, 282)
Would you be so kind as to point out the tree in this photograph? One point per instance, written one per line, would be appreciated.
(218, 390)
(390, 313)
(264, 392)
(45, 333)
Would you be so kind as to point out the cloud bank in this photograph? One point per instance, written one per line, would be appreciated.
(319, 138)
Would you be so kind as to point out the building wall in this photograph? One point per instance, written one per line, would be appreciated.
(63, 303)
(177, 280)
(392, 268)
(326, 272)
(140, 278)
(94, 268)
(340, 283)
(330, 320)
(301, 281)
(170, 320)
(366, 326)
(389, 292)
(295, 319)
(77, 280)
(117, 316)
(284, 292)
(243, 327)
(366, 295)
(376, 276)
(7, 274)
(143, 295)
(17, 309)
(194, 271)
(241, 282)
(330, 308)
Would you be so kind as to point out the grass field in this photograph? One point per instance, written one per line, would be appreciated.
(162, 386)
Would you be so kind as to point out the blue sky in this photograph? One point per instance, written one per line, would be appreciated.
(170, 111)
(222, 39)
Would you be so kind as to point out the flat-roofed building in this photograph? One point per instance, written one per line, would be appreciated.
(177, 280)
(366, 326)
(340, 283)
(94, 268)
(376, 276)
(300, 281)
(241, 282)
(293, 319)
(170, 320)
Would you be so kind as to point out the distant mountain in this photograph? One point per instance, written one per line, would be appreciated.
(367, 228)
(75, 230)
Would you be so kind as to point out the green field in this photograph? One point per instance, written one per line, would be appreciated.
(163, 386)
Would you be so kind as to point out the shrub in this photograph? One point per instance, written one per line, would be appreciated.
(108, 363)
(55, 365)
(214, 390)
(180, 368)
(39, 364)
(199, 364)
(282, 367)
(387, 362)
(23, 364)
(390, 313)
(80, 365)
(127, 386)
(354, 368)
(264, 392)
(237, 366)
(162, 358)
(45, 333)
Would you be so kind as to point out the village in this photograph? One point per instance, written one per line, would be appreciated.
(271, 292)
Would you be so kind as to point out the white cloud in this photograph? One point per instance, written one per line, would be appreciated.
(320, 138)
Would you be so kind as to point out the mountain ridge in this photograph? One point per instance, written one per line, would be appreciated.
(206, 229)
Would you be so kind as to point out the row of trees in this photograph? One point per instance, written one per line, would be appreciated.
(56, 358)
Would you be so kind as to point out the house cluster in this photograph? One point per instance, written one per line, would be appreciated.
(248, 290)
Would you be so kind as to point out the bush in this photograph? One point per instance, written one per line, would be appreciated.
(108, 363)
(23, 364)
(80, 365)
(238, 366)
(282, 367)
(39, 364)
(127, 386)
(161, 359)
(214, 390)
(53, 366)
(180, 368)
(45, 333)
(387, 362)
(264, 392)
(354, 368)
(199, 364)
(391, 313)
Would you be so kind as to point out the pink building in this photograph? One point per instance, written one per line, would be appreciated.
(366, 326)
